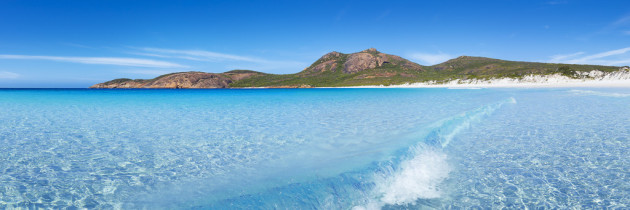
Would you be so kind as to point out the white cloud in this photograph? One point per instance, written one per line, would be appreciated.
(614, 27)
(563, 57)
(100, 60)
(604, 54)
(8, 75)
(149, 72)
(622, 21)
(276, 66)
(198, 55)
(234, 61)
(612, 57)
(430, 59)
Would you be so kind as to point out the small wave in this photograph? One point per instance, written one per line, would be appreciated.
(419, 175)
(413, 174)
(417, 178)
(598, 93)
(443, 131)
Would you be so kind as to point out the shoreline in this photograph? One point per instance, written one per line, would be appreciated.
(602, 84)
(596, 79)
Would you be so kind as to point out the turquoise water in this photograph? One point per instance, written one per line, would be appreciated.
(315, 148)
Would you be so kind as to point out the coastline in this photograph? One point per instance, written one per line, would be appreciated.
(598, 79)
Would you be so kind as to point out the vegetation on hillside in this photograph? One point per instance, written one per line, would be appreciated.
(467, 67)
(330, 71)
(464, 67)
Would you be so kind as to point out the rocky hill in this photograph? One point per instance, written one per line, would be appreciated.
(183, 80)
(368, 67)
(357, 62)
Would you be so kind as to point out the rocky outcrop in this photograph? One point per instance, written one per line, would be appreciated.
(190, 80)
(360, 61)
(327, 62)
(120, 83)
(198, 80)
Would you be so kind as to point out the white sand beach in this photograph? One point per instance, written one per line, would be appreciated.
(593, 78)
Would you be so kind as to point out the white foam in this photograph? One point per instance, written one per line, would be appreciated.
(512, 100)
(369, 206)
(465, 88)
(417, 178)
(420, 176)
(598, 93)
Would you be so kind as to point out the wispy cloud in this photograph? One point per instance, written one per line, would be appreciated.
(612, 57)
(622, 21)
(148, 72)
(430, 59)
(78, 45)
(232, 61)
(384, 14)
(563, 57)
(8, 75)
(605, 54)
(340, 15)
(275, 66)
(620, 25)
(626, 32)
(557, 2)
(197, 55)
(99, 60)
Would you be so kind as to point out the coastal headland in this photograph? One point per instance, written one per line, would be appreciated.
(371, 68)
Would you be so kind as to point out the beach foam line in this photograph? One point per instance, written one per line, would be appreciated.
(464, 88)
(599, 93)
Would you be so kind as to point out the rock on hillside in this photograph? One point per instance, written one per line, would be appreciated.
(360, 61)
(182, 80)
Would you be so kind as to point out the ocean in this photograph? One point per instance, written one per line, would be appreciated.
(391, 148)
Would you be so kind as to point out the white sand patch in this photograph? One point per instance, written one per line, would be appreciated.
(593, 78)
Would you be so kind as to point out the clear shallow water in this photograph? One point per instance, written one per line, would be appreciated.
(315, 148)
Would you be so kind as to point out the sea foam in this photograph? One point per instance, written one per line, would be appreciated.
(419, 175)
(417, 178)
(599, 93)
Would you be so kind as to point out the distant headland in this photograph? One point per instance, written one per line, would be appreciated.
(375, 69)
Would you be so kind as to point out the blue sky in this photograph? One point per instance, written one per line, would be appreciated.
(70, 43)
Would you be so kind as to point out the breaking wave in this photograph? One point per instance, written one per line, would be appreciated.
(419, 174)
(410, 175)
(415, 178)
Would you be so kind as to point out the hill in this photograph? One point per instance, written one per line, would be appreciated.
(368, 67)
(199, 80)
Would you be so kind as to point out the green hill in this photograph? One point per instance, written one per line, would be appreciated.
(467, 67)
(368, 67)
